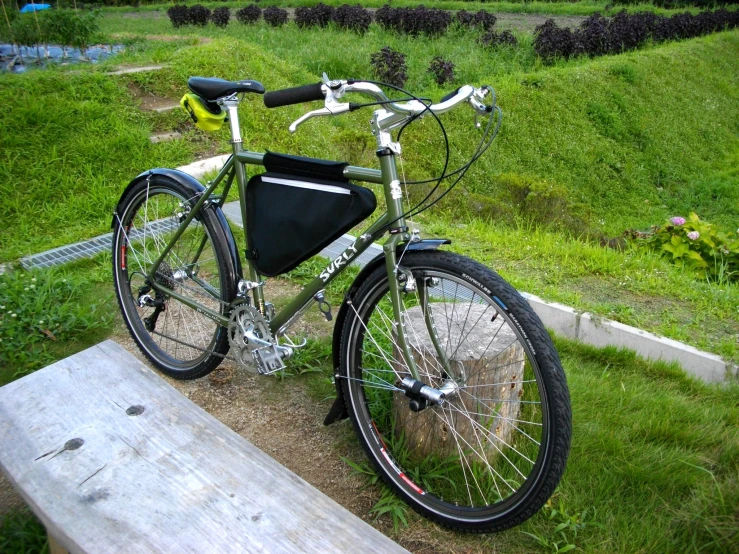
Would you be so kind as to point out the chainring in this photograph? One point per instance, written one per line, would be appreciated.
(245, 318)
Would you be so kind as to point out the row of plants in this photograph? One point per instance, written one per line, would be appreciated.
(411, 21)
(598, 35)
(198, 15)
(63, 27)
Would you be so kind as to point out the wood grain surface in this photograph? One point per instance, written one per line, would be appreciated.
(113, 459)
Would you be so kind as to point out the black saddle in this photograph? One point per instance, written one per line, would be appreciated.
(213, 88)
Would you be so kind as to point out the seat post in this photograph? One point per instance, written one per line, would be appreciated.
(232, 105)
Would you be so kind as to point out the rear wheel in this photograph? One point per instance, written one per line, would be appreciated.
(492, 453)
(179, 340)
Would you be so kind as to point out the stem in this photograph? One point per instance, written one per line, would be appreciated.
(7, 20)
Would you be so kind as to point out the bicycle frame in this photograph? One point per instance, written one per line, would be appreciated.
(392, 220)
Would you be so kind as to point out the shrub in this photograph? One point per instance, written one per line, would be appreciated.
(198, 15)
(514, 198)
(355, 18)
(275, 16)
(695, 244)
(482, 19)
(442, 70)
(414, 21)
(317, 16)
(389, 66)
(597, 35)
(179, 16)
(221, 17)
(249, 14)
(496, 39)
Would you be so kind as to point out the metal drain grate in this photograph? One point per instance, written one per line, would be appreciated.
(89, 248)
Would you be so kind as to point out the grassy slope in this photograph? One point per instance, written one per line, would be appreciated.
(635, 138)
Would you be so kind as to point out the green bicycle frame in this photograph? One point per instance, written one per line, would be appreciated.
(392, 220)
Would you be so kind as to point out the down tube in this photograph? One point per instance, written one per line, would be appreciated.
(327, 275)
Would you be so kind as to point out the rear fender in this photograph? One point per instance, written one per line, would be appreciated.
(195, 188)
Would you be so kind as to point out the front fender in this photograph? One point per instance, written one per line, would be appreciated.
(195, 188)
(338, 410)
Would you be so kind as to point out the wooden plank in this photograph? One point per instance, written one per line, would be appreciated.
(168, 479)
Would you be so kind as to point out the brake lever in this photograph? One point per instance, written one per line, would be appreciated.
(332, 107)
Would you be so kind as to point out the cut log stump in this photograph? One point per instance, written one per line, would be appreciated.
(486, 359)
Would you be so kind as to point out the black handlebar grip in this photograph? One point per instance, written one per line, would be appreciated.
(295, 95)
(448, 96)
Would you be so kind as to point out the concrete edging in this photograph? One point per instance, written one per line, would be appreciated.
(596, 331)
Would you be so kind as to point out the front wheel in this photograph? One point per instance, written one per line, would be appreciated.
(490, 455)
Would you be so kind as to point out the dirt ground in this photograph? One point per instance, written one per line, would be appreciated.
(283, 419)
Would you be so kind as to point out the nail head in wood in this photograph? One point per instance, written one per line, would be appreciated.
(135, 410)
(73, 444)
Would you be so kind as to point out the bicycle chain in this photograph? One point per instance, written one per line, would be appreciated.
(212, 352)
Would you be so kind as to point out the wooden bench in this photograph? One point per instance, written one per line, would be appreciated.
(113, 459)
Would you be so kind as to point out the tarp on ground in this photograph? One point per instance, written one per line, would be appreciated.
(28, 8)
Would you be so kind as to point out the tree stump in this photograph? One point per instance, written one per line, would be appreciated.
(486, 360)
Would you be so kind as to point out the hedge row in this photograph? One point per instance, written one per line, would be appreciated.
(597, 35)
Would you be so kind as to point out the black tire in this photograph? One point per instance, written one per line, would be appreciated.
(478, 462)
(182, 342)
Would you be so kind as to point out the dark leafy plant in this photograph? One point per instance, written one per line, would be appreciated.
(220, 17)
(389, 66)
(179, 16)
(355, 18)
(275, 16)
(504, 38)
(249, 14)
(482, 19)
(317, 16)
(598, 35)
(442, 70)
(414, 21)
(199, 15)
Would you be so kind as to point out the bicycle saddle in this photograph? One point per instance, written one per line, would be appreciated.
(214, 88)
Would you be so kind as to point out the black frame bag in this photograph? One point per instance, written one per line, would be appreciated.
(293, 213)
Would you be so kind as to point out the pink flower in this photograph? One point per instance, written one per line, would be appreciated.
(693, 235)
(677, 220)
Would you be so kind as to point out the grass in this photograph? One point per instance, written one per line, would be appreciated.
(21, 532)
(46, 315)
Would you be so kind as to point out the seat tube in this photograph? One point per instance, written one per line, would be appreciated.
(398, 234)
(236, 143)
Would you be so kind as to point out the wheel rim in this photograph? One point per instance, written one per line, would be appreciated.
(477, 455)
(181, 337)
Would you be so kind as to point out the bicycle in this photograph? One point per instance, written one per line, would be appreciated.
(453, 385)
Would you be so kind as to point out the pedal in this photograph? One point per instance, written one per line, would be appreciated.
(269, 359)
(323, 306)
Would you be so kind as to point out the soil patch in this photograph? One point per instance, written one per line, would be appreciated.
(150, 102)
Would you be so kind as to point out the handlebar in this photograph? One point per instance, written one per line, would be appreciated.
(295, 95)
(395, 113)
